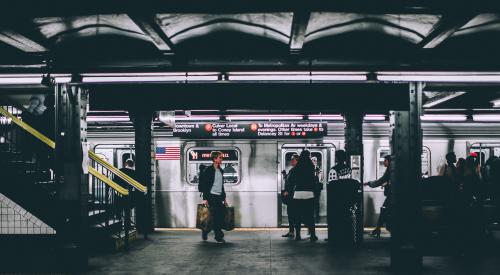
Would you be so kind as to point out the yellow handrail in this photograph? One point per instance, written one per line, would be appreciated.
(28, 128)
(109, 182)
(92, 155)
(117, 172)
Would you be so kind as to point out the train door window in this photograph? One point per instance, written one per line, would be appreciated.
(426, 161)
(126, 156)
(319, 159)
(199, 158)
(288, 159)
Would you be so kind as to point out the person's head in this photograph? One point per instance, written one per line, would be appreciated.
(470, 165)
(314, 161)
(294, 160)
(461, 163)
(305, 161)
(387, 160)
(129, 163)
(451, 158)
(36, 105)
(340, 156)
(216, 157)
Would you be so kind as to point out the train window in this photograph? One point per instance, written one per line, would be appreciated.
(125, 157)
(426, 161)
(199, 158)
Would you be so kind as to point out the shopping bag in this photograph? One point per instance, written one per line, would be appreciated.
(228, 224)
(204, 218)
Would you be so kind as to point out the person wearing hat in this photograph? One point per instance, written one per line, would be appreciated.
(385, 182)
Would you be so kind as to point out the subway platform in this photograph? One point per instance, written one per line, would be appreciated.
(264, 251)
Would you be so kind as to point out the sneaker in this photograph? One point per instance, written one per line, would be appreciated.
(204, 235)
(288, 235)
(220, 240)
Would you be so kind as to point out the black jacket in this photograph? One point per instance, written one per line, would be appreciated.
(207, 181)
(303, 180)
(129, 172)
(386, 178)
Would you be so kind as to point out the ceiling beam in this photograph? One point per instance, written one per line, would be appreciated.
(444, 29)
(298, 32)
(151, 28)
(21, 42)
(441, 97)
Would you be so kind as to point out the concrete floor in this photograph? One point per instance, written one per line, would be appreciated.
(266, 252)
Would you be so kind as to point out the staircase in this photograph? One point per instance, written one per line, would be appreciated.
(29, 198)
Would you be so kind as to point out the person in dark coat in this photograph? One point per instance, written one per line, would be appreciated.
(212, 187)
(288, 195)
(129, 171)
(303, 179)
(385, 182)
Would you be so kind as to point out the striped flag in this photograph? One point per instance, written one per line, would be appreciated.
(168, 153)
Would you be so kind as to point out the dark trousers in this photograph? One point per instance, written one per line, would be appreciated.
(384, 213)
(290, 211)
(217, 208)
(304, 214)
(317, 196)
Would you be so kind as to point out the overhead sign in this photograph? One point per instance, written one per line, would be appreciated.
(252, 130)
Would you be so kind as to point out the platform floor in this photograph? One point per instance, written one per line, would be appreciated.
(266, 252)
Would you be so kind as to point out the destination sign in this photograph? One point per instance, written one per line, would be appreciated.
(255, 130)
(205, 155)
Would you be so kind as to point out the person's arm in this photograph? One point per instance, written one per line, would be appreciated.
(385, 178)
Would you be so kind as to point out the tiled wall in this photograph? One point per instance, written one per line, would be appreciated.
(15, 220)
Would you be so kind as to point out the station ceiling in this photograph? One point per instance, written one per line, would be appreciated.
(259, 35)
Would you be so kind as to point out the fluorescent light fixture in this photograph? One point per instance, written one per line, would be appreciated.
(264, 117)
(486, 117)
(496, 103)
(374, 117)
(149, 77)
(20, 80)
(442, 117)
(107, 118)
(197, 118)
(338, 76)
(203, 76)
(269, 76)
(439, 76)
(325, 117)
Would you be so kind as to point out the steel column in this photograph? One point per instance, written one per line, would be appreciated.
(144, 166)
(406, 147)
(71, 173)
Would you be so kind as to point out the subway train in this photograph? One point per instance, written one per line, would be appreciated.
(252, 166)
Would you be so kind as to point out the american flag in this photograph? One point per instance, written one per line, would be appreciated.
(168, 153)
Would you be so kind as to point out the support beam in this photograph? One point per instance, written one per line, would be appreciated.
(445, 28)
(406, 148)
(298, 32)
(151, 28)
(21, 42)
(144, 145)
(71, 174)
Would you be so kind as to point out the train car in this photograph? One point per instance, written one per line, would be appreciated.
(252, 167)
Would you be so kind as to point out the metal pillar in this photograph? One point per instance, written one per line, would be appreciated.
(406, 143)
(71, 173)
(353, 134)
(144, 167)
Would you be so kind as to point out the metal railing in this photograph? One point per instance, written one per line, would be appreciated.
(107, 197)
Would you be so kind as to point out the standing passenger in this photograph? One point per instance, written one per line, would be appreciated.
(288, 194)
(318, 186)
(303, 198)
(385, 182)
(212, 186)
(341, 170)
(449, 170)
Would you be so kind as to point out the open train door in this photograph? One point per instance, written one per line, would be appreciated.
(324, 154)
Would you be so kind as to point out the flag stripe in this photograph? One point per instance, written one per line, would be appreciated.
(168, 153)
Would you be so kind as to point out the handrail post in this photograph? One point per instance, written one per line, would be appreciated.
(106, 203)
(127, 220)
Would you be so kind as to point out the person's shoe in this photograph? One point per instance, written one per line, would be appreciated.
(313, 238)
(288, 235)
(375, 233)
(204, 235)
(220, 240)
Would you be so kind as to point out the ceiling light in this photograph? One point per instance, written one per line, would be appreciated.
(439, 76)
(443, 117)
(269, 76)
(264, 117)
(107, 118)
(20, 79)
(374, 117)
(486, 117)
(325, 117)
(197, 118)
